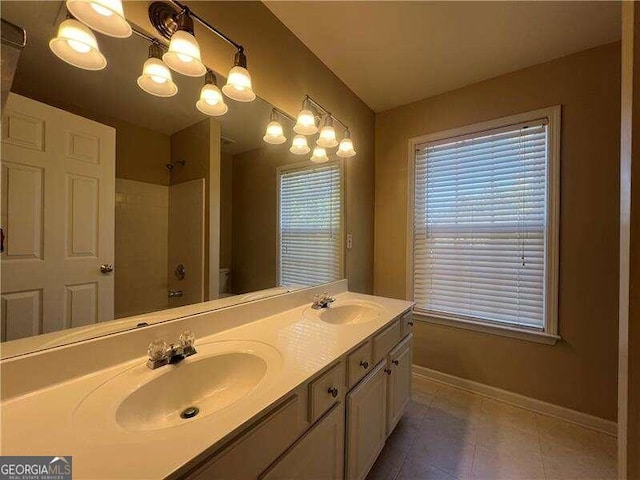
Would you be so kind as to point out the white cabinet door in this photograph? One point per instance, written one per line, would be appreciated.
(366, 423)
(318, 455)
(58, 174)
(398, 382)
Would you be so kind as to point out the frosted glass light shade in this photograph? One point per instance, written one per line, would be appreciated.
(238, 85)
(77, 45)
(319, 155)
(306, 123)
(104, 16)
(156, 79)
(327, 138)
(211, 101)
(345, 149)
(299, 145)
(184, 55)
(274, 133)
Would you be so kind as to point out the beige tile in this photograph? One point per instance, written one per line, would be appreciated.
(419, 468)
(442, 423)
(388, 464)
(508, 415)
(404, 434)
(554, 432)
(498, 436)
(424, 386)
(507, 464)
(453, 454)
(562, 463)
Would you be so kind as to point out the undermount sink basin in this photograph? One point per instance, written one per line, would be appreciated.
(349, 312)
(219, 376)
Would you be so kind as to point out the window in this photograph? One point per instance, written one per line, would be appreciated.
(310, 217)
(484, 224)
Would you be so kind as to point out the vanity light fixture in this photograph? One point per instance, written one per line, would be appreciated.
(104, 16)
(327, 138)
(184, 50)
(76, 44)
(319, 155)
(238, 85)
(211, 100)
(156, 77)
(274, 134)
(299, 146)
(306, 123)
(345, 149)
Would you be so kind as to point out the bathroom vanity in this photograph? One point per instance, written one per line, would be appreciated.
(279, 390)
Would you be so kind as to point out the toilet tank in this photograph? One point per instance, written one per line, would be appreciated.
(224, 285)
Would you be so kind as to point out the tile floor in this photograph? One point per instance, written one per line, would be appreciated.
(451, 434)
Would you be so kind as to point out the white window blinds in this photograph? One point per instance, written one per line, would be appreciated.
(311, 225)
(480, 225)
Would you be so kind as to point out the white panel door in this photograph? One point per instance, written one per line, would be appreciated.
(58, 174)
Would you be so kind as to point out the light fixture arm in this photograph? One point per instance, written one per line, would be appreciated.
(207, 25)
(327, 113)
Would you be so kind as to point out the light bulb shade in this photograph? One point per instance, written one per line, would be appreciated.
(211, 101)
(156, 79)
(319, 155)
(274, 133)
(238, 85)
(184, 55)
(299, 145)
(327, 138)
(345, 149)
(77, 45)
(104, 16)
(306, 123)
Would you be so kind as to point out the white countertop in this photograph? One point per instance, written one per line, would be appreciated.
(45, 422)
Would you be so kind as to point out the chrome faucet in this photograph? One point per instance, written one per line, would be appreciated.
(322, 301)
(161, 354)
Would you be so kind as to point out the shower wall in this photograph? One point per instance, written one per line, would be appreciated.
(141, 245)
(186, 241)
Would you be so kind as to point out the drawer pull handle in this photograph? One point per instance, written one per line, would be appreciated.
(410, 323)
(333, 391)
(387, 371)
(364, 364)
(395, 362)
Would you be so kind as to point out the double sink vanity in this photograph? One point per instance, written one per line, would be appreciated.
(275, 389)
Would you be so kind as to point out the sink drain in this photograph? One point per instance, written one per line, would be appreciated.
(189, 412)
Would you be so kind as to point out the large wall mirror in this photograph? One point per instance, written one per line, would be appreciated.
(118, 205)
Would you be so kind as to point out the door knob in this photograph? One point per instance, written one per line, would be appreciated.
(106, 268)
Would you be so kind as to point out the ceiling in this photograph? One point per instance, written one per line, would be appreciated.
(113, 92)
(395, 52)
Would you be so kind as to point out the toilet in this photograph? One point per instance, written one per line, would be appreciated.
(224, 282)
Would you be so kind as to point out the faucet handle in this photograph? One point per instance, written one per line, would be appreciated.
(157, 350)
(187, 339)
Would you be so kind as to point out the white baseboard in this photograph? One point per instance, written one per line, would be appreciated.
(584, 419)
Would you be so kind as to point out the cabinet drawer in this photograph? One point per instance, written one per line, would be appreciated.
(359, 363)
(262, 443)
(385, 341)
(407, 324)
(325, 391)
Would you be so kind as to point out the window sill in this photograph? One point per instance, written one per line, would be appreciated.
(502, 330)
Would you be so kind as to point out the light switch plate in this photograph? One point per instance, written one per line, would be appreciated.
(349, 241)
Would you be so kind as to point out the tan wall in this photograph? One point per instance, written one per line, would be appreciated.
(255, 217)
(199, 147)
(141, 154)
(629, 361)
(580, 371)
(141, 236)
(283, 70)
